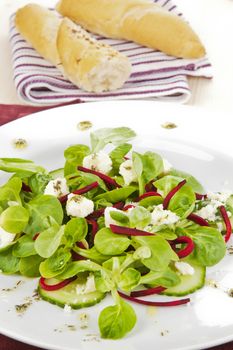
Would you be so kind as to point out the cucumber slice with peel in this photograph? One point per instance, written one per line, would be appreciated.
(68, 296)
(189, 283)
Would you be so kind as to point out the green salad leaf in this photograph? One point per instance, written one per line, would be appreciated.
(21, 167)
(116, 321)
(101, 137)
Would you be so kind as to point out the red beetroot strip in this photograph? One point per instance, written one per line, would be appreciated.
(35, 236)
(198, 219)
(94, 226)
(127, 207)
(172, 193)
(155, 303)
(147, 194)
(107, 179)
(150, 187)
(227, 223)
(187, 250)
(200, 196)
(26, 188)
(100, 212)
(56, 286)
(80, 191)
(122, 230)
(149, 291)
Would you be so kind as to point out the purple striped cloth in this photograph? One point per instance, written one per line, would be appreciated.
(154, 74)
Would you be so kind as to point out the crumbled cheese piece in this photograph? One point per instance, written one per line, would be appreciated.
(88, 287)
(57, 187)
(67, 308)
(107, 217)
(5, 238)
(219, 196)
(166, 165)
(184, 268)
(79, 206)
(127, 171)
(99, 161)
(163, 217)
(210, 210)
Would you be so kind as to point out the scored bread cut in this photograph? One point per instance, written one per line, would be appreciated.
(88, 63)
(141, 21)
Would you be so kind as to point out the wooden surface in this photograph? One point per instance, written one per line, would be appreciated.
(212, 19)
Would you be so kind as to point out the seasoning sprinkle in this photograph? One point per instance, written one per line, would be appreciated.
(163, 333)
(169, 125)
(20, 143)
(84, 125)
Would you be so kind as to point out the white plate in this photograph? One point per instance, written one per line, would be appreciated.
(201, 144)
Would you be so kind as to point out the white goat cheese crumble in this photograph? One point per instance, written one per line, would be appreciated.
(217, 199)
(79, 206)
(57, 187)
(127, 171)
(88, 287)
(184, 268)
(219, 196)
(99, 161)
(163, 217)
(5, 238)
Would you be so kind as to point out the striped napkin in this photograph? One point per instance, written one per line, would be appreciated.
(154, 74)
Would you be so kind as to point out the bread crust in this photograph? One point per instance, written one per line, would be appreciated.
(141, 21)
(86, 62)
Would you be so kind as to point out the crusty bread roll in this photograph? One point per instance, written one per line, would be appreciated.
(141, 21)
(86, 62)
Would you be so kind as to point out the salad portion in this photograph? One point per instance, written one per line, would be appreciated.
(112, 220)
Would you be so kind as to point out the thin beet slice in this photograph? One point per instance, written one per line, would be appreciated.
(76, 256)
(129, 206)
(94, 226)
(227, 223)
(26, 188)
(150, 187)
(172, 193)
(185, 251)
(96, 214)
(80, 191)
(119, 205)
(35, 236)
(148, 194)
(155, 303)
(198, 219)
(107, 179)
(200, 196)
(100, 212)
(56, 286)
(145, 292)
(122, 230)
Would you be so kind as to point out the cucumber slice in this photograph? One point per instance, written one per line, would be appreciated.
(189, 283)
(68, 296)
(57, 173)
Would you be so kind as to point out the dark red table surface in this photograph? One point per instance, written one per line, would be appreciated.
(7, 114)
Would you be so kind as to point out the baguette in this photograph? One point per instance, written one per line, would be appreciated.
(141, 21)
(86, 62)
